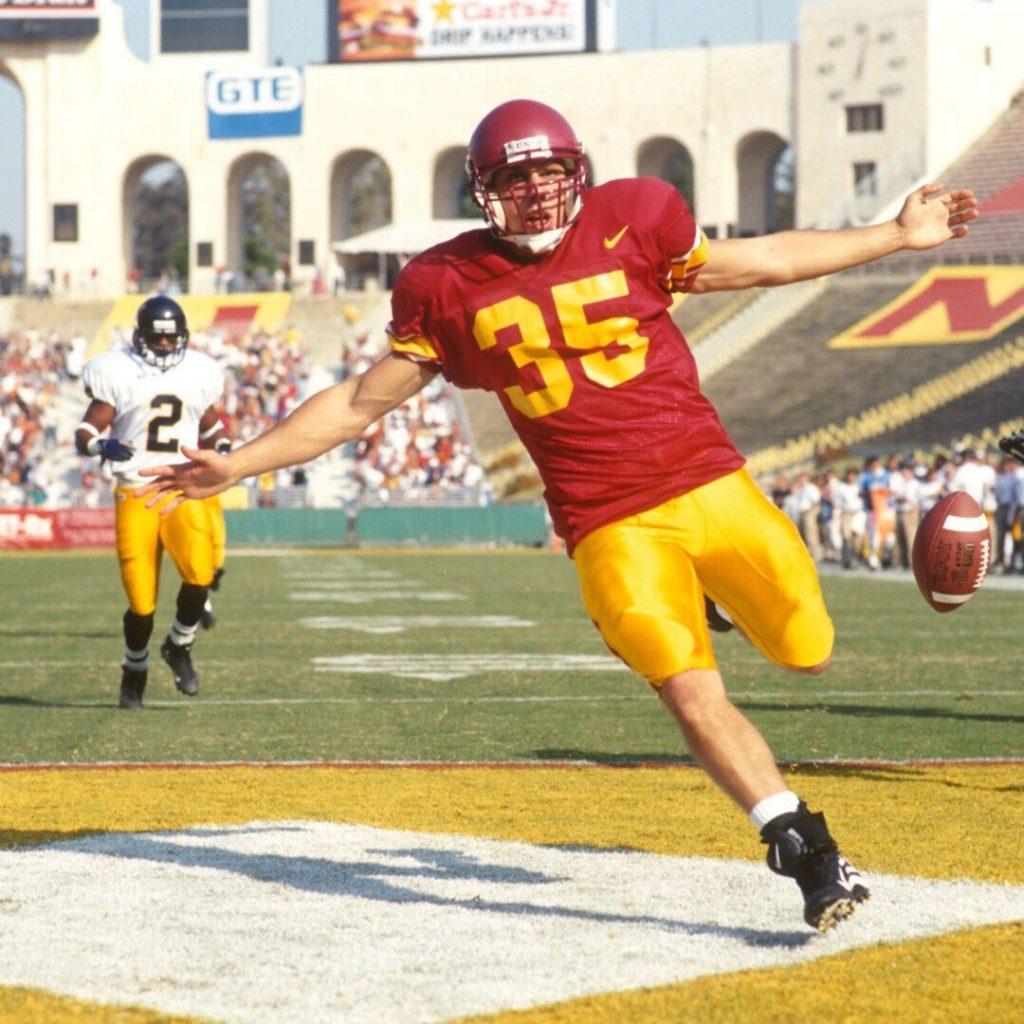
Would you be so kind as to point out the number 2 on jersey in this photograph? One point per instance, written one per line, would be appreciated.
(571, 300)
(154, 443)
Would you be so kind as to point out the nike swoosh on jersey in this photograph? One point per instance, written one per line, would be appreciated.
(610, 243)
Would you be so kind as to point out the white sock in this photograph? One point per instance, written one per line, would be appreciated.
(182, 636)
(772, 806)
(136, 661)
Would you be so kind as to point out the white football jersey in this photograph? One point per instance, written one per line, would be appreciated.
(157, 410)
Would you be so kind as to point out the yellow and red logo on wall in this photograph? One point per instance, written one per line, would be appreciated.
(234, 314)
(948, 304)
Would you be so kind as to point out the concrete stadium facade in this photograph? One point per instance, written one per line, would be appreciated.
(97, 117)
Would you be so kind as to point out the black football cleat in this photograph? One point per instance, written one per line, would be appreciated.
(207, 619)
(718, 621)
(180, 661)
(133, 685)
(800, 847)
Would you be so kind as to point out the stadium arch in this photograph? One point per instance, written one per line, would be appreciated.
(361, 200)
(259, 217)
(451, 187)
(758, 157)
(13, 235)
(361, 188)
(155, 242)
(668, 159)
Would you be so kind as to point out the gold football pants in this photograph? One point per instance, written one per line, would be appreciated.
(218, 530)
(644, 578)
(142, 536)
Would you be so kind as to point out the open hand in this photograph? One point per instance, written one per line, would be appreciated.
(932, 216)
(207, 473)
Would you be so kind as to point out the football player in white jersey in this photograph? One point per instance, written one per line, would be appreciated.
(155, 397)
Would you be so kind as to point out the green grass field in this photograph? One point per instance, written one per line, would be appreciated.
(906, 684)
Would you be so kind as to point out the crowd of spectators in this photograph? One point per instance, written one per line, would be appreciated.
(418, 452)
(868, 516)
(266, 376)
(33, 367)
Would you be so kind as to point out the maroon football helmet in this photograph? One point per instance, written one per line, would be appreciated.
(518, 132)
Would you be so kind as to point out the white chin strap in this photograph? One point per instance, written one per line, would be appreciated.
(539, 241)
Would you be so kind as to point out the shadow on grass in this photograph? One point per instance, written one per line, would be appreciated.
(879, 711)
(7, 701)
(602, 757)
(58, 634)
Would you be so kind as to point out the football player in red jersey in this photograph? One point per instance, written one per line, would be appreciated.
(560, 307)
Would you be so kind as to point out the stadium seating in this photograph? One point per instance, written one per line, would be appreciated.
(993, 166)
(793, 384)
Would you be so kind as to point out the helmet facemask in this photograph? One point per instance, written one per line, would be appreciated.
(152, 347)
(544, 210)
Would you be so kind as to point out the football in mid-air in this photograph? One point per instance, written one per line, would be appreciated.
(952, 551)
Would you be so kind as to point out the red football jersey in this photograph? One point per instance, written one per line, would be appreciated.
(579, 346)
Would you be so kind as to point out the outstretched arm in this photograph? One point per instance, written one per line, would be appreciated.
(328, 419)
(930, 217)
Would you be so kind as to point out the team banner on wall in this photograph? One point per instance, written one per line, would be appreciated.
(254, 105)
(372, 30)
(22, 528)
(24, 19)
(948, 304)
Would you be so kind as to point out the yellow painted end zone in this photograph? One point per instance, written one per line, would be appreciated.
(941, 822)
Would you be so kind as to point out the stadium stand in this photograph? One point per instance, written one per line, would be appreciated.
(993, 166)
(424, 452)
(803, 385)
(697, 316)
(38, 373)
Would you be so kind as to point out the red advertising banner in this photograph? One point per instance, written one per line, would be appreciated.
(23, 528)
(49, 19)
(373, 30)
(47, 8)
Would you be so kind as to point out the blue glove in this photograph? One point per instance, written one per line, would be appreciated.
(114, 450)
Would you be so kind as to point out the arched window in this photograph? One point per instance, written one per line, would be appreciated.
(669, 160)
(155, 219)
(259, 221)
(765, 177)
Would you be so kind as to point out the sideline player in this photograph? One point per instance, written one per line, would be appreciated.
(561, 308)
(153, 397)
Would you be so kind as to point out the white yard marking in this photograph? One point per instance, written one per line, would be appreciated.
(320, 922)
(356, 596)
(345, 575)
(442, 667)
(334, 583)
(382, 624)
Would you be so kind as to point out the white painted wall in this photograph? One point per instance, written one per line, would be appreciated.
(925, 60)
(92, 109)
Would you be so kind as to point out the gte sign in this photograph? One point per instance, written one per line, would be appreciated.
(254, 105)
